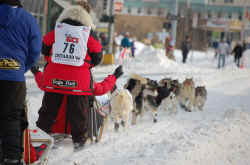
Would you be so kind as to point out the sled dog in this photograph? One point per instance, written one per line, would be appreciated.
(171, 102)
(140, 87)
(200, 97)
(187, 94)
(122, 106)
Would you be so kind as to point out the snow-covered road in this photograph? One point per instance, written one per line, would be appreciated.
(220, 135)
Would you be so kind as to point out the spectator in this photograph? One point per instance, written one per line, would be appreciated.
(215, 46)
(125, 43)
(133, 47)
(104, 42)
(20, 43)
(169, 47)
(238, 50)
(186, 46)
(223, 50)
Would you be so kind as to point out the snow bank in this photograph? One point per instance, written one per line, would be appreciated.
(246, 58)
(221, 142)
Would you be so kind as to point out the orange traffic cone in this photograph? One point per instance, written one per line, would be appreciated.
(242, 62)
(241, 65)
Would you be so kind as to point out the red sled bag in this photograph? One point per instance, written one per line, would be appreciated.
(31, 154)
(29, 151)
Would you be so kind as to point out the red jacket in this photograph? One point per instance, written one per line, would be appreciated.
(100, 88)
(55, 74)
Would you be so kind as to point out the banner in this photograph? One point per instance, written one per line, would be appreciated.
(118, 6)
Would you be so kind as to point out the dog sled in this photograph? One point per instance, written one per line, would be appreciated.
(38, 144)
(37, 147)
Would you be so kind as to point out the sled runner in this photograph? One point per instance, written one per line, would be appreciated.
(98, 115)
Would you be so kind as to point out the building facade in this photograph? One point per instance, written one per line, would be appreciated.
(210, 19)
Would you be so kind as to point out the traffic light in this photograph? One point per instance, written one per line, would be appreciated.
(167, 25)
(106, 18)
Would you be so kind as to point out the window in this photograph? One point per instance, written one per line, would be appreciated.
(240, 16)
(149, 11)
(139, 11)
(129, 10)
(209, 15)
(230, 15)
(105, 3)
(160, 12)
(168, 16)
(228, 1)
(219, 14)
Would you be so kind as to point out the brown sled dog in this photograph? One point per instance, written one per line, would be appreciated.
(200, 97)
(187, 94)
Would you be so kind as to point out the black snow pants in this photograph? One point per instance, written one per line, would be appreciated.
(76, 114)
(13, 120)
(184, 57)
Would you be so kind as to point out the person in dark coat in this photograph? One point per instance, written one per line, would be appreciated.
(133, 48)
(215, 46)
(238, 50)
(104, 42)
(20, 44)
(185, 49)
(125, 43)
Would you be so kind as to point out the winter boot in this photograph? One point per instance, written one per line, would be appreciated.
(12, 162)
(78, 146)
(40, 150)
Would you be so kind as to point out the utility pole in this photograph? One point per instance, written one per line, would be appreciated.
(245, 21)
(111, 27)
(49, 15)
(174, 22)
(45, 18)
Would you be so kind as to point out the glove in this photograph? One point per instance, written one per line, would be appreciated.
(118, 72)
(34, 70)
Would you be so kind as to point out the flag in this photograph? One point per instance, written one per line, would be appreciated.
(247, 14)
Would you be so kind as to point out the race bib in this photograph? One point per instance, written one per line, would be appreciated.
(70, 45)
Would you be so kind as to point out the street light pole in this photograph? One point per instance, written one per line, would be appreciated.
(174, 22)
(111, 27)
(245, 21)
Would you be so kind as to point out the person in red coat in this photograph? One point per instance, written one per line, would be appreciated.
(71, 50)
(100, 88)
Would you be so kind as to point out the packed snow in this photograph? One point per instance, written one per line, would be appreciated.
(219, 135)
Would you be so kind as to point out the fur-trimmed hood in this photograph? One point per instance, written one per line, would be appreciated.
(79, 14)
